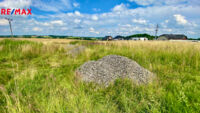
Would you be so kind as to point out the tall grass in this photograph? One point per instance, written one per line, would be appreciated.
(38, 77)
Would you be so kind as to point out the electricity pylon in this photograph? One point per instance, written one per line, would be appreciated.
(10, 20)
(156, 31)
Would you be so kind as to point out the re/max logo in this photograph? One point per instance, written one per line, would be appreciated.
(16, 12)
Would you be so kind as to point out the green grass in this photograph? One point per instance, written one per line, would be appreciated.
(41, 78)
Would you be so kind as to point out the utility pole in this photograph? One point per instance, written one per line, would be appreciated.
(10, 20)
(156, 31)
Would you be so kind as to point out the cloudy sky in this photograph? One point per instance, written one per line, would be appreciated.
(103, 17)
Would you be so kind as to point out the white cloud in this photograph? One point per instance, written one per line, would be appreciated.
(37, 29)
(131, 21)
(126, 25)
(166, 21)
(52, 5)
(120, 20)
(139, 21)
(77, 13)
(3, 22)
(96, 9)
(64, 28)
(94, 17)
(74, 14)
(46, 24)
(165, 2)
(180, 19)
(57, 22)
(70, 14)
(97, 32)
(92, 30)
(77, 21)
(120, 7)
(76, 4)
(191, 32)
(143, 2)
(161, 2)
(15, 3)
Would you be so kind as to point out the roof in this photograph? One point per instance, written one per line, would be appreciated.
(139, 37)
(107, 37)
(119, 37)
(174, 36)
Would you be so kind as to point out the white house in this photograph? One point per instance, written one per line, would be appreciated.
(140, 38)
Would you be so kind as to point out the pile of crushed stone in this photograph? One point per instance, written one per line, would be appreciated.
(112, 67)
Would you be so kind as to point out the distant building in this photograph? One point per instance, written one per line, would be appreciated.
(172, 37)
(107, 38)
(139, 38)
(119, 37)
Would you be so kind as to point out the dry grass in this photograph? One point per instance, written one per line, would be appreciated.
(28, 73)
(40, 77)
(1, 48)
(156, 45)
(44, 41)
(26, 48)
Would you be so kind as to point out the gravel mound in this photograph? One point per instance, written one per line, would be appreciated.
(109, 68)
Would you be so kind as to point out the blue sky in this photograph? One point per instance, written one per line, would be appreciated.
(103, 17)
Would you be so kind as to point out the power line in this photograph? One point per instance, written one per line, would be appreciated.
(10, 20)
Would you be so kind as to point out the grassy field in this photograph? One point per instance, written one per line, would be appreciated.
(39, 76)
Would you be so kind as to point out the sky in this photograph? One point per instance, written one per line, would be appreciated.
(95, 18)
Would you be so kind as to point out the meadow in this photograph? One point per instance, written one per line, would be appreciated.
(38, 76)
